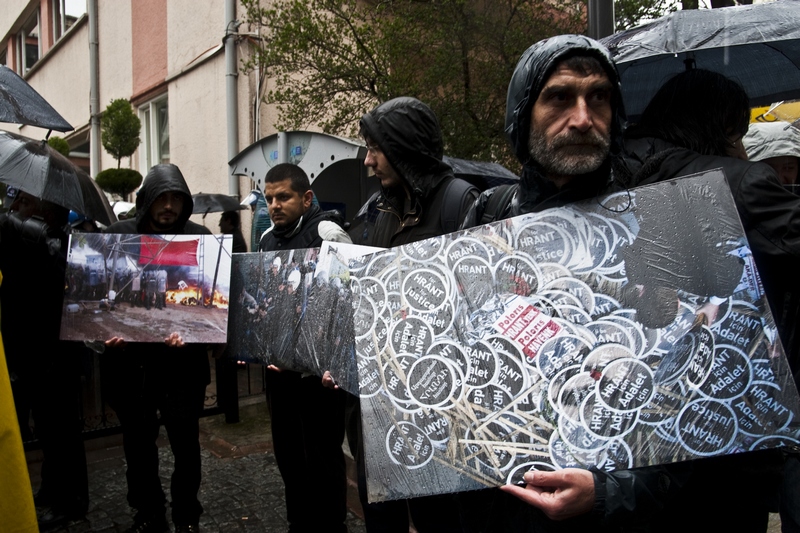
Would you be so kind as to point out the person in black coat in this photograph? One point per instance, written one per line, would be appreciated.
(143, 379)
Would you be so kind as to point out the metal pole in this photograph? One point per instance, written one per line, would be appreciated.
(94, 92)
(231, 90)
(601, 18)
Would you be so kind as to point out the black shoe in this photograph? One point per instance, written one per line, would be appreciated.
(189, 528)
(152, 525)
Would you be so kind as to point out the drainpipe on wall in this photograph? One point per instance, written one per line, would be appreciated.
(231, 89)
(94, 92)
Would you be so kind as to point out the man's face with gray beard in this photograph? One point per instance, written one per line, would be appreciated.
(571, 153)
(570, 130)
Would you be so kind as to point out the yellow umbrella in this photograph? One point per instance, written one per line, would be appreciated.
(17, 512)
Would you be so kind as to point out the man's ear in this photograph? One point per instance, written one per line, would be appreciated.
(307, 197)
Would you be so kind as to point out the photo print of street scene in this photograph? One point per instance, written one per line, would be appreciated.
(294, 309)
(145, 287)
(620, 332)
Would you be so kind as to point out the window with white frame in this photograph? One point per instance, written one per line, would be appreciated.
(155, 133)
(28, 46)
(65, 14)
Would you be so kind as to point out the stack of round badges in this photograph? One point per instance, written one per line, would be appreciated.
(503, 349)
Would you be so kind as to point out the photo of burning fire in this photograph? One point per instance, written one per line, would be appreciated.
(143, 288)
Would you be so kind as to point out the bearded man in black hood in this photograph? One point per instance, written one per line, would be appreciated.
(143, 379)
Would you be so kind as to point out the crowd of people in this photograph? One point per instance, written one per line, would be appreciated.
(567, 126)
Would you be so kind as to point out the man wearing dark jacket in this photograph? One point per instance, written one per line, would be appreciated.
(419, 198)
(307, 418)
(564, 119)
(170, 378)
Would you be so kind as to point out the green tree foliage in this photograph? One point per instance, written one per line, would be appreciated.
(120, 129)
(59, 144)
(629, 13)
(119, 181)
(333, 60)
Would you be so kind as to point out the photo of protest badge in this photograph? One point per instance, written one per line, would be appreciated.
(762, 370)
(408, 446)
(432, 381)
(555, 385)
(625, 385)
(559, 353)
(574, 314)
(436, 425)
(475, 280)
(603, 305)
(373, 289)
(545, 243)
(603, 422)
(741, 326)
(516, 475)
(551, 271)
(465, 247)
(761, 411)
(572, 395)
(512, 377)
(369, 377)
(483, 364)
(608, 332)
(730, 375)
(703, 358)
(515, 275)
(425, 290)
(561, 298)
(411, 335)
(424, 250)
(706, 427)
(634, 329)
(601, 356)
(526, 325)
(575, 287)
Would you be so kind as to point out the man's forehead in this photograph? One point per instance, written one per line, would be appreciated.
(563, 74)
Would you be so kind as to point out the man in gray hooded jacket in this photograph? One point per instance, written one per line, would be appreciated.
(143, 379)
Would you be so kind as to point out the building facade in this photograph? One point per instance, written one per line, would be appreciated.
(166, 56)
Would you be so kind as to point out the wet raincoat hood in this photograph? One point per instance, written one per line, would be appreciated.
(771, 139)
(161, 179)
(408, 133)
(532, 71)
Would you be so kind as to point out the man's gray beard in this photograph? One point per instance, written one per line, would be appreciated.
(562, 158)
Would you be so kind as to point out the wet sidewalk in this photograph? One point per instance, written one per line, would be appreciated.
(241, 490)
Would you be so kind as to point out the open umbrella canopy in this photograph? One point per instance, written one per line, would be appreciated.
(215, 203)
(21, 104)
(756, 45)
(34, 167)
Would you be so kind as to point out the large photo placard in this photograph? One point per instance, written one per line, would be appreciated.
(294, 309)
(622, 332)
(145, 287)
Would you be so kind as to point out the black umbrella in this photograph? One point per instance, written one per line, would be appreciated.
(21, 104)
(34, 167)
(756, 45)
(215, 203)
